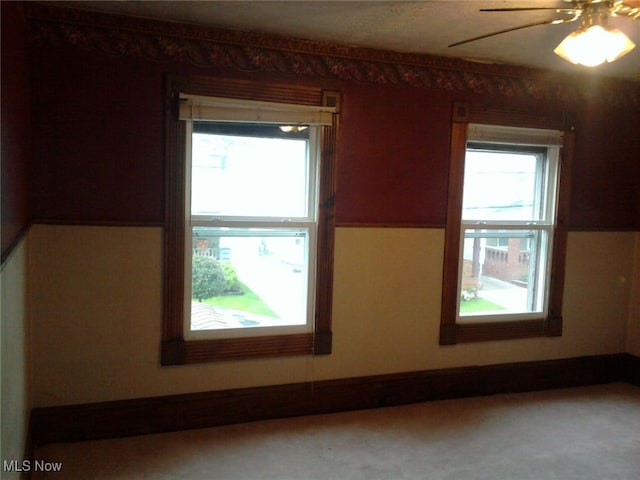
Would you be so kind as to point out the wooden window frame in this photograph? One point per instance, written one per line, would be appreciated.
(452, 332)
(175, 350)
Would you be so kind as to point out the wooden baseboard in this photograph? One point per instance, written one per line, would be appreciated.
(199, 410)
(13, 246)
(631, 369)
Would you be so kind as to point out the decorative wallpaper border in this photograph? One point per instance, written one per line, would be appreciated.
(169, 41)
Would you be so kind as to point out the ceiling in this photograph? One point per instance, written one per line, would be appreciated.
(413, 27)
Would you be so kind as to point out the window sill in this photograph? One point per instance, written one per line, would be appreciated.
(451, 334)
(180, 352)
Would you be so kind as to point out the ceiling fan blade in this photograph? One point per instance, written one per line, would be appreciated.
(629, 9)
(521, 9)
(542, 22)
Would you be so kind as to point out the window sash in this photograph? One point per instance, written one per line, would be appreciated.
(545, 181)
(311, 187)
(249, 223)
(538, 271)
(518, 141)
(232, 229)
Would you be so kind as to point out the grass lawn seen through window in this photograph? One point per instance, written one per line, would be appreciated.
(479, 305)
(247, 302)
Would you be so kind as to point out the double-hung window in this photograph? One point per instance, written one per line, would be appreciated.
(251, 241)
(508, 215)
(251, 230)
(505, 233)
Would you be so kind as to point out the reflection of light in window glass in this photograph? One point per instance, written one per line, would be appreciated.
(499, 185)
(233, 175)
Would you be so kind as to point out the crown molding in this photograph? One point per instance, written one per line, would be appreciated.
(162, 41)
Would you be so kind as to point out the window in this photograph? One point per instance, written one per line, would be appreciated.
(251, 232)
(248, 244)
(505, 239)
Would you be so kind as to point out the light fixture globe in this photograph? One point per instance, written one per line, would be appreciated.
(593, 45)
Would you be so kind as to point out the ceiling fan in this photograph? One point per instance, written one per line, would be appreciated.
(594, 42)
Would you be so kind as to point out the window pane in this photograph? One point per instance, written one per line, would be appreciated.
(500, 185)
(249, 277)
(501, 273)
(243, 175)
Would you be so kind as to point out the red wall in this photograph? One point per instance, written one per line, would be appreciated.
(98, 147)
(393, 156)
(15, 125)
(606, 171)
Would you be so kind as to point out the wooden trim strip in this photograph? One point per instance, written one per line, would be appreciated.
(482, 332)
(631, 369)
(553, 324)
(452, 232)
(326, 229)
(513, 116)
(196, 351)
(390, 225)
(198, 410)
(442, 226)
(13, 246)
(603, 229)
(250, 90)
(98, 223)
(339, 224)
(173, 294)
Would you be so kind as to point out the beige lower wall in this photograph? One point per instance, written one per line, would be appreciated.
(96, 310)
(14, 357)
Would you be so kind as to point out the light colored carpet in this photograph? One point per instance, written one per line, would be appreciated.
(578, 433)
